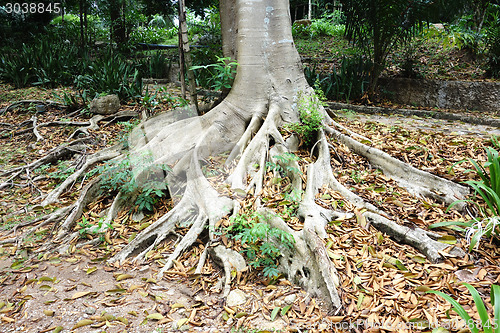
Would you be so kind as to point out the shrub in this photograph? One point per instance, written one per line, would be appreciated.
(156, 66)
(206, 34)
(328, 25)
(350, 81)
(119, 177)
(111, 74)
(152, 35)
(69, 28)
(493, 42)
(488, 188)
(217, 76)
(45, 63)
(311, 120)
(261, 243)
(487, 325)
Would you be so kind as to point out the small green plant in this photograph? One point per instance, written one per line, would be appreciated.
(284, 159)
(347, 82)
(488, 188)
(85, 227)
(260, 241)
(311, 119)
(220, 74)
(487, 325)
(493, 42)
(118, 176)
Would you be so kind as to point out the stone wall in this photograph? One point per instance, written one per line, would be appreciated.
(458, 95)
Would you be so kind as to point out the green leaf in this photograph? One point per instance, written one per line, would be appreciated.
(495, 298)
(155, 316)
(457, 308)
(275, 312)
(481, 309)
(285, 310)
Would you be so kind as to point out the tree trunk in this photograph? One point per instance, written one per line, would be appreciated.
(82, 31)
(117, 24)
(268, 87)
(185, 56)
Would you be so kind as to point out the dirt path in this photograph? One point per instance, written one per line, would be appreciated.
(80, 294)
(451, 127)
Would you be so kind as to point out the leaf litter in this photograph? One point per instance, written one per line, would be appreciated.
(381, 281)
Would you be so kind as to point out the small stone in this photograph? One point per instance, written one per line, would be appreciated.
(290, 299)
(184, 328)
(90, 311)
(105, 105)
(236, 297)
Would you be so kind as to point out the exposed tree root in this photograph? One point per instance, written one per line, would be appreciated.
(35, 129)
(251, 143)
(246, 124)
(104, 155)
(63, 151)
(85, 126)
(32, 101)
(417, 182)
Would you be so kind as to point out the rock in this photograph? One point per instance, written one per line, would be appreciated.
(236, 297)
(105, 105)
(290, 299)
(90, 311)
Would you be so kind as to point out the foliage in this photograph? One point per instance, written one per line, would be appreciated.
(488, 188)
(260, 241)
(377, 25)
(110, 74)
(206, 35)
(493, 42)
(49, 63)
(329, 25)
(487, 325)
(159, 21)
(284, 159)
(119, 176)
(86, 228)
(45, 63)
(155, 65)
(348, 82)
(217, 76)
(466, 37)
(153, 35)
(69, 28)
(311, 119)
